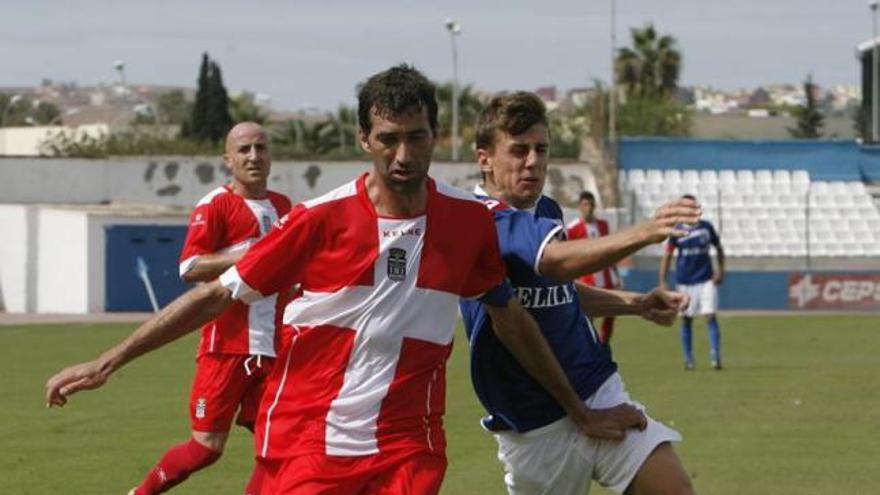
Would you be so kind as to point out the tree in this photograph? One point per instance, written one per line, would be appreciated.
(809, 120)
(244, 108)
(210, 120)
(26, 111)
(651, 67)
(173, 108)
(648, 75)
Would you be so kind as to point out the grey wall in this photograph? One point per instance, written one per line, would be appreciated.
(181, 181)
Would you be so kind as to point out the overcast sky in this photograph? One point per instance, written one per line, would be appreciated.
(312, 53)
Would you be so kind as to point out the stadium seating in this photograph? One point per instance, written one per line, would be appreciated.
(767, 213)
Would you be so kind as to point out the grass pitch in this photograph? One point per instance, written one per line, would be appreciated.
(796, 410)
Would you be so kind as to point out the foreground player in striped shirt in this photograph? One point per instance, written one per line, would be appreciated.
(354, 404)
(541, 450)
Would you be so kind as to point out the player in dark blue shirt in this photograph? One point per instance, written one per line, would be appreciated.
(541, 450)
(695, 276)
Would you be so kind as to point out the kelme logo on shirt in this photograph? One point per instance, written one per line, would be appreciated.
(397, 264)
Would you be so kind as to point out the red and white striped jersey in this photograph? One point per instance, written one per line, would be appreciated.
(578, 229)
(363, 369)
(225, 222)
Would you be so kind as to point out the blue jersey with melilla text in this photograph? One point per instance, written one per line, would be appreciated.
(513, 399)
(694, 263)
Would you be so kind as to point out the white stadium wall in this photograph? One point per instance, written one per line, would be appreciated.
(53, 260)
(17, 263)
(62, 255)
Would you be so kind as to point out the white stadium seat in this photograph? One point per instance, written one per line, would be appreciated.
(690, 176)
(800, 177)
(636, 176)
(819, 187)
(763, 176)
(745, 176)
(727, 177)
(838, 187)
(672, 175)
(708, 177)
(654, 175)
(782, 176)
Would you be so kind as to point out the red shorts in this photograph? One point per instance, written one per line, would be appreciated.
(224, 384)
(398, 473)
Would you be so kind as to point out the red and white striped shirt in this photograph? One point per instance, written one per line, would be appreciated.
(578, 229)
(225, 222)
(364, 369)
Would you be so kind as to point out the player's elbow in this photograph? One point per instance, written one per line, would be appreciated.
(553, 265)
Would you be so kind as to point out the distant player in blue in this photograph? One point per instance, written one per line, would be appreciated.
(695, 277)
(541, 449)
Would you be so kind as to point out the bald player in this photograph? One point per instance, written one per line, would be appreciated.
(237, 348)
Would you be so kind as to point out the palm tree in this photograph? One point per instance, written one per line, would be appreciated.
(651, 67)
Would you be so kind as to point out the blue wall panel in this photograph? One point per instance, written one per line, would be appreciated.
(159, 246)
(740, 290)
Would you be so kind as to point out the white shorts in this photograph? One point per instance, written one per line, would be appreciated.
(704, 298)
(559, 460)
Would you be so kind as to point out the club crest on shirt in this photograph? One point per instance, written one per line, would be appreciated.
(201, 405)
(397, 264)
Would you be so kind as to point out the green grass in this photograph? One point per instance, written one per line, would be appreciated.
(796, 411)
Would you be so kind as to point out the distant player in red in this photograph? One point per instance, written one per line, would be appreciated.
(237, 348)
(354, 404)
(589, 226)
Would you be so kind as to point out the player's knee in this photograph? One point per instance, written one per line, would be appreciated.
(215, 441)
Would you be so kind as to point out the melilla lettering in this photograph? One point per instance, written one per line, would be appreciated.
(400, 233)
(544, 297)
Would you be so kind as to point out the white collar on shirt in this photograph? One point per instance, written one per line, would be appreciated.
(478, 190)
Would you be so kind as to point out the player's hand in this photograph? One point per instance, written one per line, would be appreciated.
(666, 218)
(661, 306)
(611, 423)
(70, 380)
(717, 278)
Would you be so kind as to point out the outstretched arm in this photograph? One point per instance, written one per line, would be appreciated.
(519, 332)
(182, 316)
(570, 259)
(659, 306)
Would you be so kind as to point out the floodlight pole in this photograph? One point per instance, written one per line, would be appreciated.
(454, 29)
(875, 84)
(612, 97)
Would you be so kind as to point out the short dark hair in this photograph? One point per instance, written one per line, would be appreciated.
(689, 196)
(587, 196)
(512, 113)
(395, 91)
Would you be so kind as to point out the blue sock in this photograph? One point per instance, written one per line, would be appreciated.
(715, 339)
(687, 344)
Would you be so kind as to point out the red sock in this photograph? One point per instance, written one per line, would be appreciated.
(255, 485)
(607, 329)
(175, 466)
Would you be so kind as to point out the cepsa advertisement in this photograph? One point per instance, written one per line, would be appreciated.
(857, 291)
